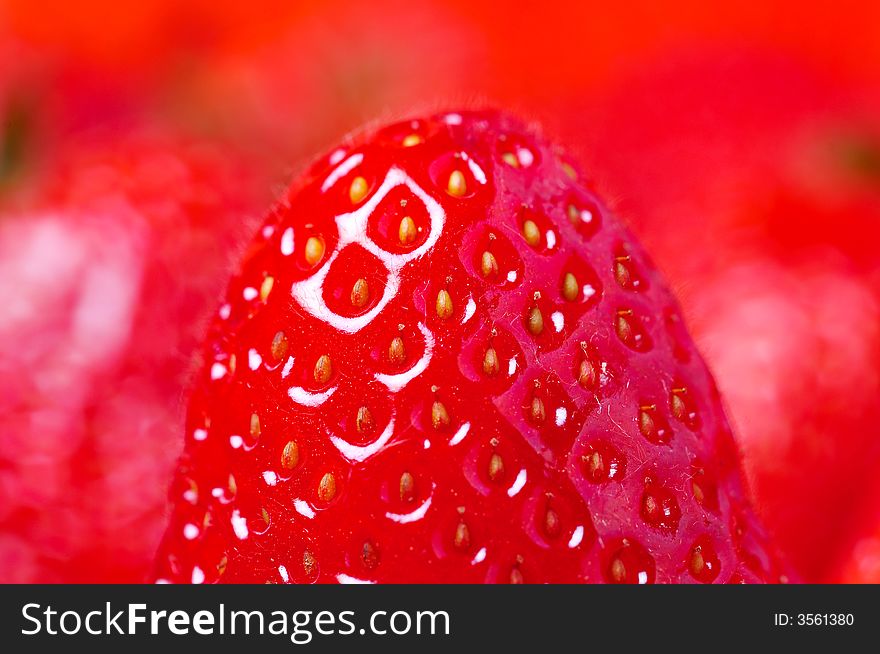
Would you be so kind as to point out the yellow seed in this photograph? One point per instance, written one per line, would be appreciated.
(551, 523)
(496, 467)
(265, 514)
(677, 404)
(290, 455)
(411, 140)
(510, 159)
(623, 327)
(327, 487)
(233, 487)
(370, 555)
(587, 374)
(364, 420)
(396, 351)
(255, 425)
(646, 421)
(596, 465)
(232, 362)
(573, 214)
(309, 562)
(360, 293)
(488, 264)
(621, 271)
(323, 369)
(462, 536)
(618, 571)
(569, 170)
(531, 233)
(314, 250)
(439, 415)
(570, 288)
(490, 362)
(457, 185)
(516, 576)
(358, 189)
(279, 346)
(536, 321)
(697, 561)
(699, 495)
(221, 567)
(407, 487)
(406, 233)
(444, 305)
(537, 410)
(266, 287)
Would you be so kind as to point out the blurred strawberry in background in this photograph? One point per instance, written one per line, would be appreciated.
(104, 285)
(742, 145)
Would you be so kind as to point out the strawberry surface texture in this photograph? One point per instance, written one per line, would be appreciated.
(443, 359)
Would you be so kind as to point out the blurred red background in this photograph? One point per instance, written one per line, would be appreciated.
(140, 143)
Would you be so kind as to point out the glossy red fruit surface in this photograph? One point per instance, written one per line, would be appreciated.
(444, 360)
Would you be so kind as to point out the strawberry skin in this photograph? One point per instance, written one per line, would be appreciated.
(444, 360)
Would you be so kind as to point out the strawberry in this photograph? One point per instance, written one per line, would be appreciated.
(99, 324)
(767, 247)
(444, 360)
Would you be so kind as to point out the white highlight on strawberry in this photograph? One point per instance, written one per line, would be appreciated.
(200, 434)
(362, 453)
(236, 441)
(250, 293)
(218, 371)
(198, 576)
(518, 483)
(476, 171)
(343, 578)
(353, 230)
(287, 242)
(459, 435)
(337, 156)
(511, 367)
(480, 556)
(576, 537)
(341, 171)
(453, 119)
(225, 311)
(469, 310)
(285, 577)
(398, 381)
(551, 239)
(288, 366)
(558, 321)
(254, 359)
(526, 158)
(190, 531)
(270, 478)
(239, 524)
(267, 231)
(427, 444)
(588, 291)
(561, 416)
(306, 398)
(511, 276)
(303, 508)
(190, 496)
(415, 515)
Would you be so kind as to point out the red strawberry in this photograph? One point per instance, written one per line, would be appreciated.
(99, 323)
(443, 359)
(767, 246)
